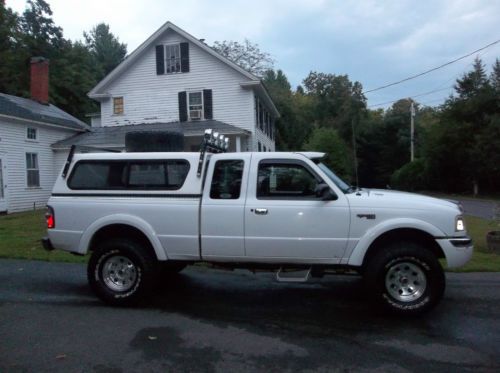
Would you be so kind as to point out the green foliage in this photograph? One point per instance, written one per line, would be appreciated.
(337, 101)
(412, 176)
(9, 45)
(296, 110)
(339, 157)
(106, 49)
(74, 67)
(463, 147)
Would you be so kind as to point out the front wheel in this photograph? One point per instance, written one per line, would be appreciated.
(120, 271)
(405, 278)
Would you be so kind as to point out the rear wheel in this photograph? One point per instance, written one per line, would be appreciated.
(405, 278)
(121, 271)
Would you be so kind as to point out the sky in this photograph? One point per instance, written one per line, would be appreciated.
(373, 42)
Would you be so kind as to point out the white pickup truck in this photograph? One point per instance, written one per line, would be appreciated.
(138, 213)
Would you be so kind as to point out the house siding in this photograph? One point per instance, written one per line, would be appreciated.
(13, 149)
(150, 98)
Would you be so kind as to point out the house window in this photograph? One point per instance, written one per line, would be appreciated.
(118, 105)
(195, 105)
(31, 133)
(173, 58)
(32, 171)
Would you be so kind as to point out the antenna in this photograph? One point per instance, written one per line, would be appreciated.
(412, 131)
(355, 153)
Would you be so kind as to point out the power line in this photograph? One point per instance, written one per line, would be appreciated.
(431, 70)
(414, 96)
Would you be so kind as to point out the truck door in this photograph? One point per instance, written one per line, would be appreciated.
(222, 208)
(285, 220)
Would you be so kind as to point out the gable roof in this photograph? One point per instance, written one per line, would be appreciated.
(130, 59)
(24, 108)
(114, 136)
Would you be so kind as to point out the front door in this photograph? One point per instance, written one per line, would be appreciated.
(285, 220)
(3, 192)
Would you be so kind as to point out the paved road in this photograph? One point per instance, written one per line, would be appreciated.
(208, 320)
(481, 208)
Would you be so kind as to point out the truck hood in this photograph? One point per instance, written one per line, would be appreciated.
(398, 199)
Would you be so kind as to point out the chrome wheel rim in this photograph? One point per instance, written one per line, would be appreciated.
(119, 273)
(405, 281)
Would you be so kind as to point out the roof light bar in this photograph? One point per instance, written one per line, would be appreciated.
(214, 143)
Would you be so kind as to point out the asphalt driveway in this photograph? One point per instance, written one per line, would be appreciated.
(481, 208)
(207, 320)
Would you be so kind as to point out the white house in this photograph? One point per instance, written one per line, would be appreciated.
(173, 81)
(28, 128)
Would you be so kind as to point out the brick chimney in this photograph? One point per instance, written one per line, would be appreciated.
(40, 80)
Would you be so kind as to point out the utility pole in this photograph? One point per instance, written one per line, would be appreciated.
(412, 131)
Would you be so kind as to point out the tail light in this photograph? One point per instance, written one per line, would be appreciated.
(50, 218)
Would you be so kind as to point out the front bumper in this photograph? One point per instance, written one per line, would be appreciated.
(47, 245)
(457, 250)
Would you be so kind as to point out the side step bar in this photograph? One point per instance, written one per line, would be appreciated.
(293, 275)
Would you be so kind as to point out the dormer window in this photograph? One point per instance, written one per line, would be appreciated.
(172, 58)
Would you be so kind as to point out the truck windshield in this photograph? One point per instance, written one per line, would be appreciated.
(337, 180)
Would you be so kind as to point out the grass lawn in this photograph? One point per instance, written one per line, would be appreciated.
(20, 236)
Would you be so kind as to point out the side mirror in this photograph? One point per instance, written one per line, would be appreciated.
(324, 192)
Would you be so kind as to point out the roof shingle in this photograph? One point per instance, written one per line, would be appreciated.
(31, 110)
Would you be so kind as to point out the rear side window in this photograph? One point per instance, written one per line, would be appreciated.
(226, 182)
(129, 175)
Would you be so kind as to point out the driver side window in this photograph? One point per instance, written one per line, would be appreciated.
(285, 181)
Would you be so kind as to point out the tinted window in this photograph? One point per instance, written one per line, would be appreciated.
(159, 175)
(226, 181)
(288, 181)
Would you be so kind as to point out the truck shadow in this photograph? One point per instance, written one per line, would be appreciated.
(337, 303)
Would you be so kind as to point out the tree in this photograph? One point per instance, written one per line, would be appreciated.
(41, 35)
(295, 123)
(339, 103)
(9, 44)
(246, 55)
(106, 49)
(463, 148)
(338, 156)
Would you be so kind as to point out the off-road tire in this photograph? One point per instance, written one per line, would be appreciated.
(139, 262)
(405, 278)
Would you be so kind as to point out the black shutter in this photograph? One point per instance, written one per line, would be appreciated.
(207, 104)
(160, 60)
(185, 57)
(183, 114)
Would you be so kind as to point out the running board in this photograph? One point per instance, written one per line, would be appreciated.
(293, 275)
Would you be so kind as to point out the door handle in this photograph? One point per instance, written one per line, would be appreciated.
(261, 211)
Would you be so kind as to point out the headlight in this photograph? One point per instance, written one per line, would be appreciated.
(459, 224)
